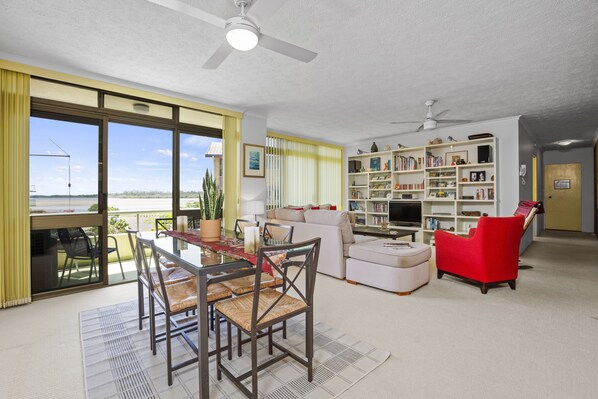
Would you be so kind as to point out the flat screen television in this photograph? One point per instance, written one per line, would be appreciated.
(405, 213)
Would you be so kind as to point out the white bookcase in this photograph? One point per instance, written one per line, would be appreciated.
(451, 193)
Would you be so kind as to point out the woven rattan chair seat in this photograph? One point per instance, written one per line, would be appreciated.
(183, 295)
(243, 285)
(165, 262)
(171, 276)
(238, 309)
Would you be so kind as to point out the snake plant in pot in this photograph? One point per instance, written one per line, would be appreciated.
(210, 202)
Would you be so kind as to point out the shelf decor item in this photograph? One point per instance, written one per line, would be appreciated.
(375, 164)
(456, 157)
(374, 147)
(253, 160)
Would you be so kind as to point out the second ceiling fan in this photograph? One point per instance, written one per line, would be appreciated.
(242, 33)
(432, 121)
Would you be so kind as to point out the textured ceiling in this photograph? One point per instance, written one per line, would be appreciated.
(378, 61)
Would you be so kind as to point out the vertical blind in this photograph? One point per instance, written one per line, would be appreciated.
(15, 261)
(299, 172)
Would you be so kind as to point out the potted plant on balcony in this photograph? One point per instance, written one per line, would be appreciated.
(210, 203)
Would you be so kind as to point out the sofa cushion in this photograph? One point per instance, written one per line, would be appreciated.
(333, 218)
(376, 252)
(292, 215)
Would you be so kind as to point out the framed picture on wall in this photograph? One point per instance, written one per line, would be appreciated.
(253, 160)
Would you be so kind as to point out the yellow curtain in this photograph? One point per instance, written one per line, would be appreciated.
(15, 260)
(300, 172)
(231, 138)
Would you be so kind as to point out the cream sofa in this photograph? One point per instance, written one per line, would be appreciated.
(333, 227)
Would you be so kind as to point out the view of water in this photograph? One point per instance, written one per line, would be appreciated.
(77, 204)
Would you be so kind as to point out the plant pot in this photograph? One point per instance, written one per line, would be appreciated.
(209, 230)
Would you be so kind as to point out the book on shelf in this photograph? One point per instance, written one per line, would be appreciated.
(375, 164)
(432, 161)
(407, 163)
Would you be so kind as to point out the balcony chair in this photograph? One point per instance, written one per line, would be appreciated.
(173, 299)
(260, 310)
(489, 255)
(78, 246)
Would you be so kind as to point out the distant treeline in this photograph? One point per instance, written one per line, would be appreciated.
(128, 194)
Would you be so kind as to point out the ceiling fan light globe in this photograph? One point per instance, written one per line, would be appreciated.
(241, 34)
(430, 124)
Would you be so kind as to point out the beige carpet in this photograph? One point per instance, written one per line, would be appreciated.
(119, 364)
(447, 340)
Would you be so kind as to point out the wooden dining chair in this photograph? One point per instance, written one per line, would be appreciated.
(262, 309)
(277, 232)
(164, 224)
(240, 225)
(173, 299)
(242, 285)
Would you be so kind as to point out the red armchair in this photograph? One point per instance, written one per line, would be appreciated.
(490, 254)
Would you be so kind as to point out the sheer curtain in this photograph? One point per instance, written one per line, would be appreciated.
(15, 260)
(300, 172)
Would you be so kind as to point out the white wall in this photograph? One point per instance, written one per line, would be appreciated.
(506, 131)
(527, 148)
(253, 131)
(585, 156)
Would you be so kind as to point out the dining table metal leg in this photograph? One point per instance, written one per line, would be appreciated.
(202, 337)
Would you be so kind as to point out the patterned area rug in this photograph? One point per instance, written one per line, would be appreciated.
(119, 364)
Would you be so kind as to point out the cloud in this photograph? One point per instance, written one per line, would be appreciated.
(166, 152)
(185, 155)
(193, 159)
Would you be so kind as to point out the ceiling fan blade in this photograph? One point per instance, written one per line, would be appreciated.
(184, 8)
(220, 55)
(397, 123)
(441, 113)
(261, 10)
(285, 48)
(453, 120)
(420, 128)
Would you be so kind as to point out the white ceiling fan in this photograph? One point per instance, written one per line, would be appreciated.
(432, 120)
(242, 33)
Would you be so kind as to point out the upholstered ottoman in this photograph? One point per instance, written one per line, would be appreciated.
(400, 270)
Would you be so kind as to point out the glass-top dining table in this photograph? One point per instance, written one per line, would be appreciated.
(204, 263)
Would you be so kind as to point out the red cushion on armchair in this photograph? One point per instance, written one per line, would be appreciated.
(489, 255)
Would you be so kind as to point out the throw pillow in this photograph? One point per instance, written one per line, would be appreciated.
(292, 215)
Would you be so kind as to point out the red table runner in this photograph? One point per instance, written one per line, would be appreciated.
(227, 246)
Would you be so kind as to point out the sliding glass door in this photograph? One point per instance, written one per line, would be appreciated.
(140, 178)
(66, 219)
(101, 162)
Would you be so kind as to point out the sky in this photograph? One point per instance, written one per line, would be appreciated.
(139, 158)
